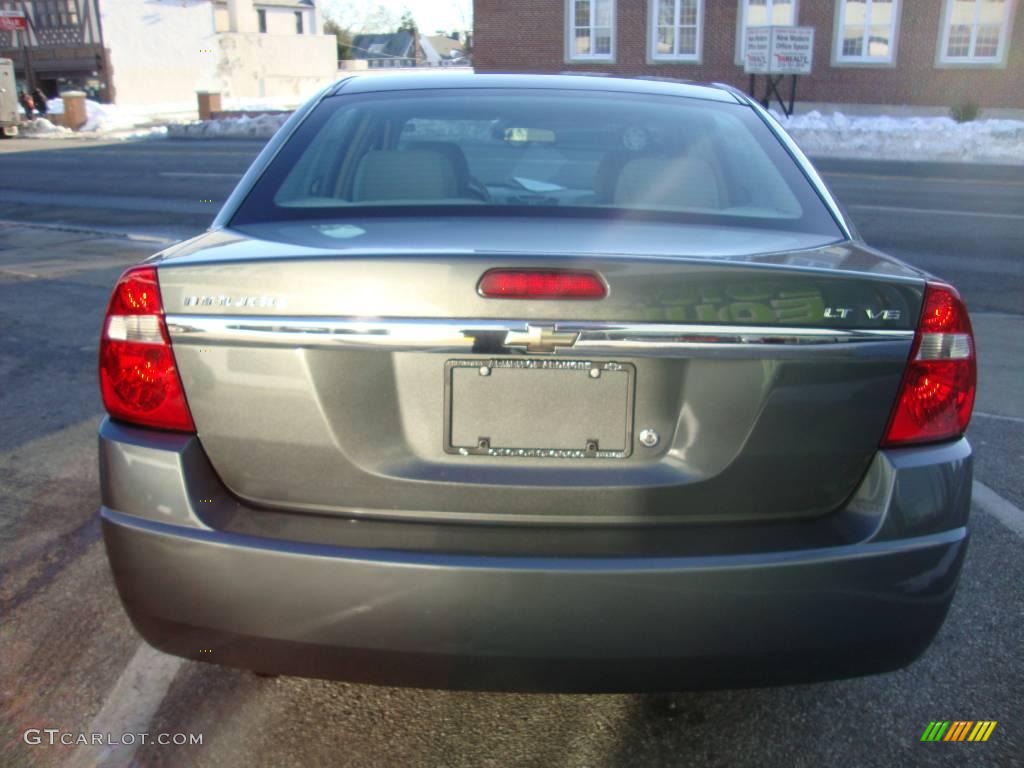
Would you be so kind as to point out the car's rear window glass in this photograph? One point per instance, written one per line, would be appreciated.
(486, 151)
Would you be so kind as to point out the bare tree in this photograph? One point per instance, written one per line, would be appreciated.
(343, 36)
(381, 20)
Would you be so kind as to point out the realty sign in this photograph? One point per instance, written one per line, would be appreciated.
(779, 50)
(792, 50)
(11, 20)
(759, 50)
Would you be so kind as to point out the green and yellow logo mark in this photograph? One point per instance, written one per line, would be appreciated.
(958, 730)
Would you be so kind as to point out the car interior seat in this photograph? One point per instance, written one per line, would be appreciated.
(467, 185)
(680, 182)
(405, 175)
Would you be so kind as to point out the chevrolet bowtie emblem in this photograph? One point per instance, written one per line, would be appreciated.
(540, 338)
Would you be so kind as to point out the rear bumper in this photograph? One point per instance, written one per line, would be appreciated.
(624, 623)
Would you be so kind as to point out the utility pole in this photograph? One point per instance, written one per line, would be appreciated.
(29, 74)
(108, 84)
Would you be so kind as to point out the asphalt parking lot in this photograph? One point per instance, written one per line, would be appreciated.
(72, 215)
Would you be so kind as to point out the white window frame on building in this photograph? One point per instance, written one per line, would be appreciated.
(971, 59)
(571, 27)
(654, 28)
(741, 22)
(841, 59)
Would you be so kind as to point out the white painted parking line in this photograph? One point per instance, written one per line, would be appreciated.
(1008, 513)
(200, 174)
(162, 205)
(941, 179)
(18, 273)
(97, 231)
(150, 151)
(937, 212)
(129, 708)
(999, 417)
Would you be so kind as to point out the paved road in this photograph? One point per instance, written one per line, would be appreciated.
(65, 644)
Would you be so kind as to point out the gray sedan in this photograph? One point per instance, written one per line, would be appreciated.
(535, 383)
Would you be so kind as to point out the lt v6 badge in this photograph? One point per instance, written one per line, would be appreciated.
(842, 313)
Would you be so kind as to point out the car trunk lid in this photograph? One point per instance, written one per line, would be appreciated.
(380, 383)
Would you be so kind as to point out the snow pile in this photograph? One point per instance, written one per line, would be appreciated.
(176, 111)
(255, 105)
(166, 119)
(102, 118)
(907, 138)
(102, 121)
(106, 118)
(242, 127)
(40, 126)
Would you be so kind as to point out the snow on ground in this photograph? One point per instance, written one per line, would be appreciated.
(40, 126)
(109, 121)
(102, 118)
(907, 138)
(256, 127)
(103, 121)
(185, 110)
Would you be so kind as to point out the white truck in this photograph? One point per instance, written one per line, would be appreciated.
(10, 115)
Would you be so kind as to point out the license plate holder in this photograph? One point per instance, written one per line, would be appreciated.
(571, 409)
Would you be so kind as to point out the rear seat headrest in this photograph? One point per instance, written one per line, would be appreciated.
(661, 182)
(452, 151)
(405, 175)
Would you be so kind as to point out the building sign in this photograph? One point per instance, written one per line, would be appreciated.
(779, 50)
(792, 50)
(759, 50)
(11, 20)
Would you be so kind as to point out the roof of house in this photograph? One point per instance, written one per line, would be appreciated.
(396, 45)
(444, 45)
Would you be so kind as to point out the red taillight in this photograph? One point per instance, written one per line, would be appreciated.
(138, 378)
(937, 393)
(541, 284)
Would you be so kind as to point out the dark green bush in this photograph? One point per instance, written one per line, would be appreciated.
(965, 112)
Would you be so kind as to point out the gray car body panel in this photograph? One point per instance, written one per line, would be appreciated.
(320, 523)
(503, 235)
(166, 477)
(794, 411)
(468, 608)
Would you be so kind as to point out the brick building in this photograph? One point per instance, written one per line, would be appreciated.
(916, 52)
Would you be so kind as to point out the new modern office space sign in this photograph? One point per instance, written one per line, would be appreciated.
(776, 52)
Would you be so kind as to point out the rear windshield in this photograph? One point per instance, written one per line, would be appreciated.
(538, 152)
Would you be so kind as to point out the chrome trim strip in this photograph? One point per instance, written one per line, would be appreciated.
(489, 336)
